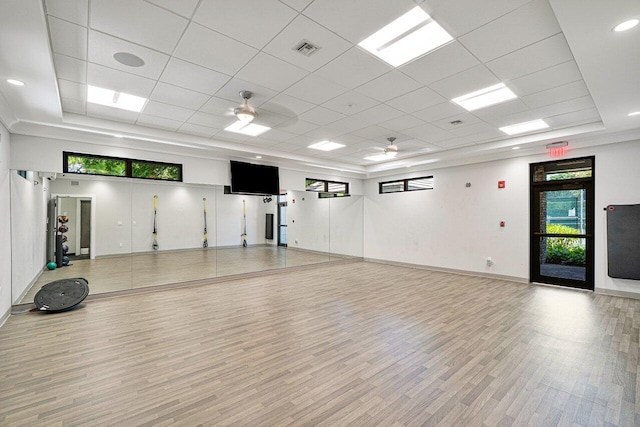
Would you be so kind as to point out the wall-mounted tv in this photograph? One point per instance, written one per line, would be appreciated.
(247, 178)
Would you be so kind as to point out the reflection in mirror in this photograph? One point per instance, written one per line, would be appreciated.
(307, 228)
(347, 227)
(246, 242)
(108, 234)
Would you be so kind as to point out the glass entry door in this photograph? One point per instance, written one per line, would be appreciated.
(562, 232)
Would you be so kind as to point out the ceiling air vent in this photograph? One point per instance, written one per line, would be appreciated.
(456, 122)
(305, 48)
(74, 183)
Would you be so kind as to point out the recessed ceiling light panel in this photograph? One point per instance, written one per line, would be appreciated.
(485, 97)
(245, 128)
(412, 35)
(326, 146)
(524, 127)
(111, 98)
(635, 113)
(15, 82)
(626, 25)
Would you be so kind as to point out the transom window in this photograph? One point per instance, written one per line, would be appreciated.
(409, 184)
(92, 164)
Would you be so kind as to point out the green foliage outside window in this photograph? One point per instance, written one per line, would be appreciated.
(155, 171)
(96, 166)
(565, 250)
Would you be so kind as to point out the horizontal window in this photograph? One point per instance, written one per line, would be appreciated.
(322, 186)
(91, 164)
(409, 184)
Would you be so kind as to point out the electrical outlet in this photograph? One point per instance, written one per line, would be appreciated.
(489, 262)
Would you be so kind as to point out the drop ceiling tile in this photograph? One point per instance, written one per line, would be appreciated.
(251, 22)
(315, 89)
(102, 47)
(287, 105)
(378, 114)
(574, 118)
(279, 135)
(210, 120)
(286, 147)
(183, 7)
(271, 72)
(269, 118)
(298, 5)
(439, 111)
(443, 62)
(297, 126)
(76, 11)
(576, 104)
(178, 96)
(108, 78)
(167, 111)
(353, 68)
(526, 25)
(202, 46)
(388, 86)
(466, 119)
(478, 131)
(374, 133)
(349, 139)
(324, 133)
(192, 76)
(401, 123)
(544, 54)
(143, 23)
(69, 68)
(548, 78)
(350, 103)
(301, 141)
(110, 113)
(356, 20)
(198, 130)
(67, 38)
(416, 100)
(456, 142)
(321, 116)
(219, 106)
(231, 92)
(73, 106)
(302, 28)
(428, 133)
(72, 90)
(557, 94)
(158, 122)
(496, 113)
(347, 125)
(462, 16)
(471, 80)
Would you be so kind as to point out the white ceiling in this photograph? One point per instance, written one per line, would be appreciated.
(560, 57)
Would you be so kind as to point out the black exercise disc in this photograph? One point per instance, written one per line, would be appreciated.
(61, 295)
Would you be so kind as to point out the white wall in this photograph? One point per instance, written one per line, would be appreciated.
(458, 228)
(5, 225)
(28, 230)
(307, 221)
(346, 226)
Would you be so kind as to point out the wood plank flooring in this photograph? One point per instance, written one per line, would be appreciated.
(337, 344)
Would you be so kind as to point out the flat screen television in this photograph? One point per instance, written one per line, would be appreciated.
(247, 178)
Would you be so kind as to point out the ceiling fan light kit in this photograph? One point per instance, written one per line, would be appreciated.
(245, 113)
(392, 149)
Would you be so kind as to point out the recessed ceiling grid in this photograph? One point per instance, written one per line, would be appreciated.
(199, 55)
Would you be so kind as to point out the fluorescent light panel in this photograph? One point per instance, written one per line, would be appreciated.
(524, 127)
(626, 25)
(15, 82)
(111, 98)
(326, 146)
(485, 97)
(244, 128)
(412, 35)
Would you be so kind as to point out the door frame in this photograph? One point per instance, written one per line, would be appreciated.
(588, 184)
(92, 197)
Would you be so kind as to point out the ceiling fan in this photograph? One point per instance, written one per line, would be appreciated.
(245, 112)
(392, 149)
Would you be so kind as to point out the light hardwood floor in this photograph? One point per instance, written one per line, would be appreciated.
(134, 271)
(335, 344)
